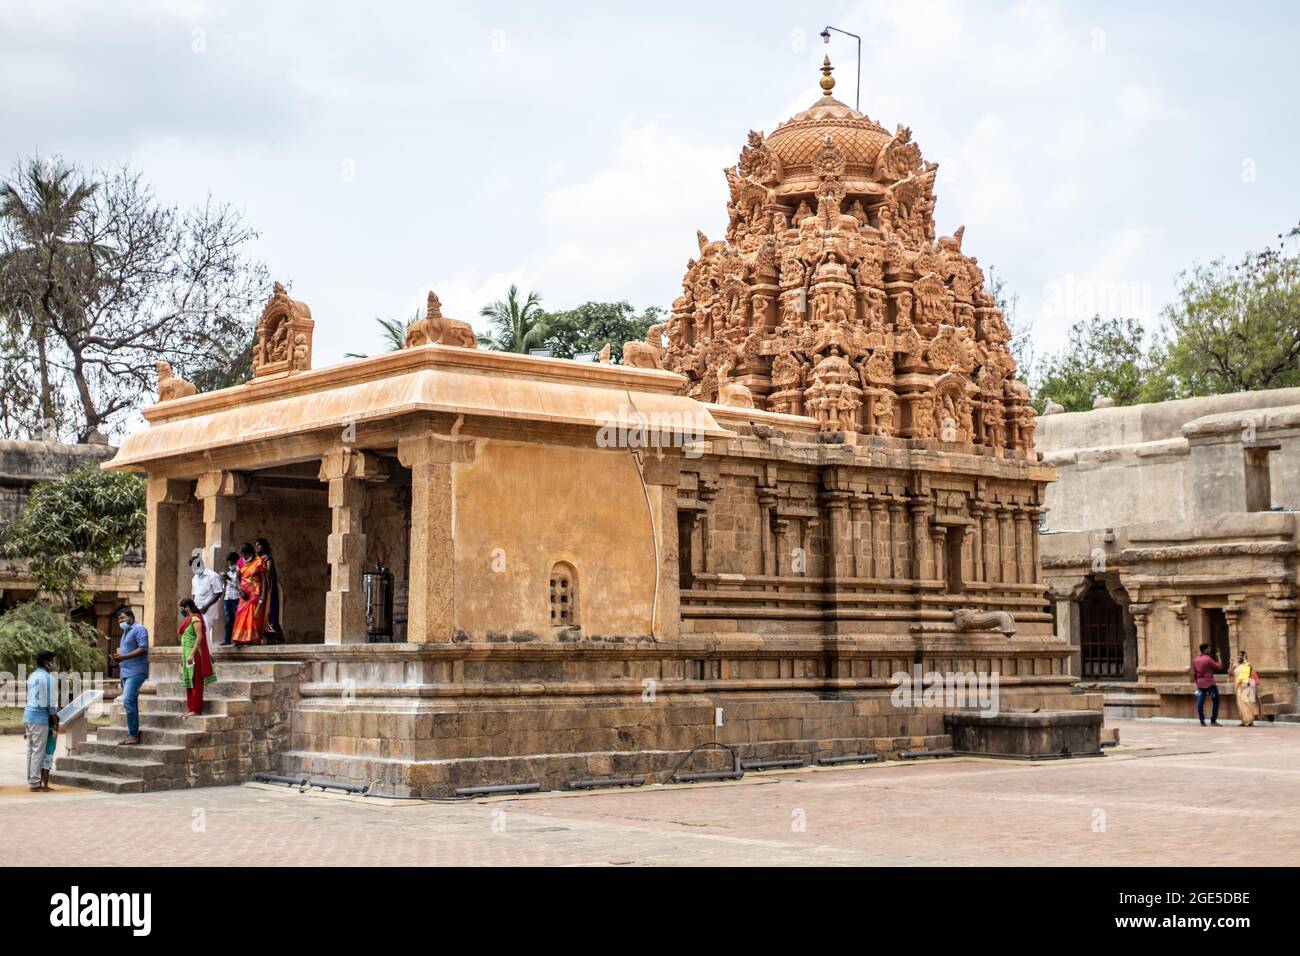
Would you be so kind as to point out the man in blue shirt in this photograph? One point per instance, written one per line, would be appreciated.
(40, 715)
(132, 658)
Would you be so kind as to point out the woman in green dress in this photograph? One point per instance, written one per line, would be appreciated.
(196, 657)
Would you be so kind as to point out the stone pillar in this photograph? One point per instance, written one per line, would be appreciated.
(881, 565)
(780, 535)
(707, 491)
(662, 475)
(861, 562)
(922, 561)
(839, 535)
(766, 508)
(898, 538)
(218, 490)
(347, 472)
(939, 535)
(1007, 538)
(162, 562)
(1024, 547)
(992, 564)
(431, 605)
(1035, 516)
(977, 545)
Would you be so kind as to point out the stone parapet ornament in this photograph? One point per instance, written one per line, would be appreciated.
(284, 332)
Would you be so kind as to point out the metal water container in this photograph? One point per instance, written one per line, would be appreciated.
(378, 585)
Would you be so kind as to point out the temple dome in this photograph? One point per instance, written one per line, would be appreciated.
(799, 137)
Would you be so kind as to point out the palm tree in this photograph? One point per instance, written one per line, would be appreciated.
(393, 333)
(516, 326)
(39, 263)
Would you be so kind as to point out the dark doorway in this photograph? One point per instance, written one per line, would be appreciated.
(1216, 633)
(685, 557)
(1102, 635)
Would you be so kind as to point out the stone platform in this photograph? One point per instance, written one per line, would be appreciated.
(423, 721)
(1036, 734)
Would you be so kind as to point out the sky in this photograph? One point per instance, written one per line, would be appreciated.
(1092, 150)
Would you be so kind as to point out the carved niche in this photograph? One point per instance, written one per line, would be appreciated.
(284, 333)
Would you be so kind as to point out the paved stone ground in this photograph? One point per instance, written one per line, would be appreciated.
(1166, 796)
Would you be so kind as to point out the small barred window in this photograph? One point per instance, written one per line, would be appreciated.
(564, 604)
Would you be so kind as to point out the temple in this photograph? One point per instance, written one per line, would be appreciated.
(734, 547)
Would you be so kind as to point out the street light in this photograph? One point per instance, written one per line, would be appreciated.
(826, 38)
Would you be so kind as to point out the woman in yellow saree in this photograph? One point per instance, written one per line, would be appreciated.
(1246, 681)
(250, 617)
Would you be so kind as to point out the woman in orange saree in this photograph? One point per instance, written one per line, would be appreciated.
(250, 617)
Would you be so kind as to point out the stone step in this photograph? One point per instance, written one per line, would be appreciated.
(173, 688)
(229, 666)
(212, 706)
(133, 768)
(205, 723)
(158, 751)
(173, 737)
(105, 782)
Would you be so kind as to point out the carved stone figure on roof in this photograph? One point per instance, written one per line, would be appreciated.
(277, 348)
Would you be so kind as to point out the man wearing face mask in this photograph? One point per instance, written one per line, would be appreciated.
(207, 589)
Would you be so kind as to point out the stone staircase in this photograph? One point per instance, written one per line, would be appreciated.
(245, 721)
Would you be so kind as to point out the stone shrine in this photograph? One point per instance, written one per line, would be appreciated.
(730, 548)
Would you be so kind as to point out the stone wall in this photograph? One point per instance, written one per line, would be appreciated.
(521, 509)
(1186, 512)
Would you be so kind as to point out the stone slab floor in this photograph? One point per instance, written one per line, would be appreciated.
(1166, 796)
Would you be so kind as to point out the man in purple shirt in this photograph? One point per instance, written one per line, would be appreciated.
(1204, 668)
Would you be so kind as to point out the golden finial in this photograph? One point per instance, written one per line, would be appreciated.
(827, 81)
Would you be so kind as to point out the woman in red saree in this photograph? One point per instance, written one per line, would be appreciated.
(196, 657)
(250, 617)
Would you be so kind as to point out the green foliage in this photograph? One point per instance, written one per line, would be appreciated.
(1103, 357)
(1237, 328)
(85, 521)
(517, 325)
(36, 626)
(236, 370)
(592, 325)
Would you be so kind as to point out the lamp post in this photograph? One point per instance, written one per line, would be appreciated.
(826, 38)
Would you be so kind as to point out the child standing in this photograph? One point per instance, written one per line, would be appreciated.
(47, 762)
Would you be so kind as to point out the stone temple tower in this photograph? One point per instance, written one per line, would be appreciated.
(831, 297)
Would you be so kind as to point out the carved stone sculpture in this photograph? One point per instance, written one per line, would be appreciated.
(284, 332)
(169, 386)
(969, 619)
(437, 329)
(647, 354)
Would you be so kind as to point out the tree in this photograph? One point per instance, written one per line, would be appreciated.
(86, 520)
(36, 626)
(109, 281)
(236, 370)
(1103, 357)
(38, 210)
(592, 325)
(392, 332)
(1237, 328)
(516, 326)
